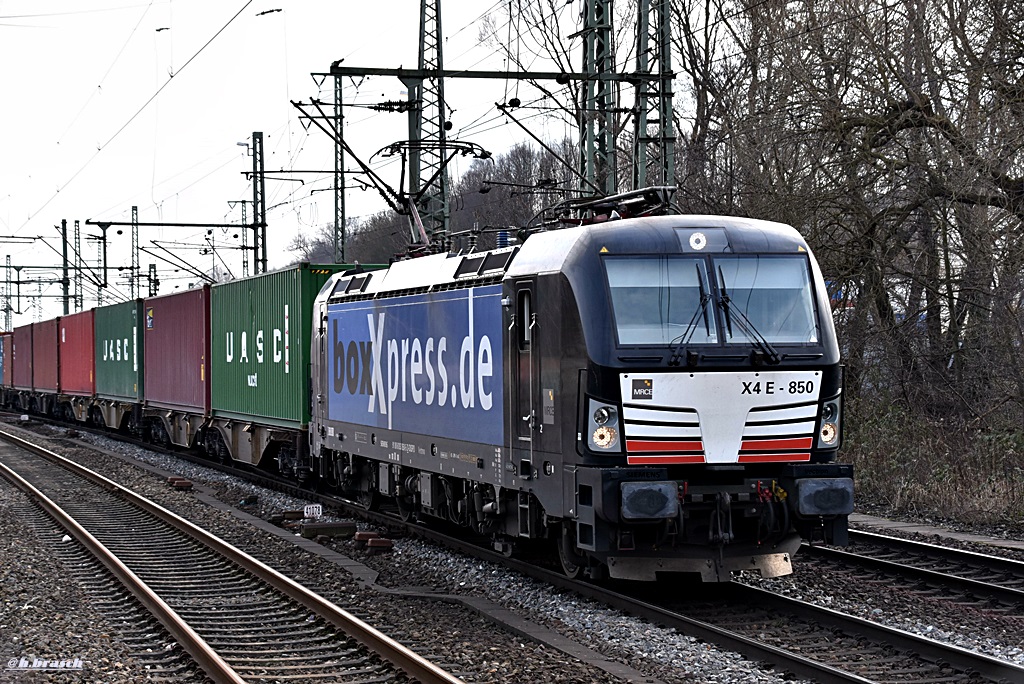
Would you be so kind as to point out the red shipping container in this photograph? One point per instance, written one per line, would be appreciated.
(177, 350)
(77, 354)
(7, 359)
(21, 352)
(44, 356)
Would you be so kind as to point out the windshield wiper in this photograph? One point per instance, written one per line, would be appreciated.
(745, 325)
(684, 339)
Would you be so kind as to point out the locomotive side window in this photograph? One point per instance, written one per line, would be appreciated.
(659, 300)
(774, 292)
(524, 315)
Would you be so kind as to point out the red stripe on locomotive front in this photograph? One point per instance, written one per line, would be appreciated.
(666, 459)
(773, 458)
(637, 445)
(771, 444)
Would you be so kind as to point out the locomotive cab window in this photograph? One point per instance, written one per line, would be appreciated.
(773, 293)
(660, 300)
(734, 299)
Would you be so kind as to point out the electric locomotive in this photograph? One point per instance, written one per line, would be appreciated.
(651, 395)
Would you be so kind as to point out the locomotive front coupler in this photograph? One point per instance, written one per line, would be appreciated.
(720, 530)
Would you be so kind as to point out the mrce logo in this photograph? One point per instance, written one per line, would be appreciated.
(643, 389)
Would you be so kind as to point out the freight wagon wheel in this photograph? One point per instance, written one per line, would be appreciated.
(572, 562)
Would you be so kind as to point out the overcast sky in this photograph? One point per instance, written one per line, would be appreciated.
(114, 103)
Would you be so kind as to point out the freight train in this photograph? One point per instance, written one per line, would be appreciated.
(642, 397)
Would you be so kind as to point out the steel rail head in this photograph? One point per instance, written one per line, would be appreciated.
(958, 657)
(950, 580)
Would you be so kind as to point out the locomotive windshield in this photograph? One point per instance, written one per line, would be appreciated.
(774, 292)
(665, 300)
(657, 300)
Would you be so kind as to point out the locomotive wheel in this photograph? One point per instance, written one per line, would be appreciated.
(370, 501)
(406, 507)
(366, 484)
(572, 562)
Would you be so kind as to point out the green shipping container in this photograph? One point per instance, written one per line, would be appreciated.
(118, 348)
(261, 330)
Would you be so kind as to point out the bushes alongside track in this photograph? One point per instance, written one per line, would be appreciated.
(913, 465)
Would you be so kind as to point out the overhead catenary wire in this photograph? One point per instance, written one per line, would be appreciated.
(103, 78)
(134, 116)
(159, 200)
(484, 123)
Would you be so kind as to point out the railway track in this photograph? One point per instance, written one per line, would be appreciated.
(238, 619)
(793, 636)
(988, 583)
(842, 647)
(143, 637)
(796, 636)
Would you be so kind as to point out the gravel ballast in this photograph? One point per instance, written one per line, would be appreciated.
(46, 620)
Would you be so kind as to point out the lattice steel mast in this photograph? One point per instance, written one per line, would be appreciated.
(339, 176)
(259, 206)
(135, 251)
(428, 128)
(79, 267)
(428, 148)
(654, 142)
(597, 132)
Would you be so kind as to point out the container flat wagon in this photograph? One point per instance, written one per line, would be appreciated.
(77, 367)
(118, 350)
(259, 366)
(177, 366)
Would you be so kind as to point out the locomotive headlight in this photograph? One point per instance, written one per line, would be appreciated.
(829, 433)
(602, 426)
(604, 414)
(605, 437)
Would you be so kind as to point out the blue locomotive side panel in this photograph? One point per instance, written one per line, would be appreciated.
(429, 364)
